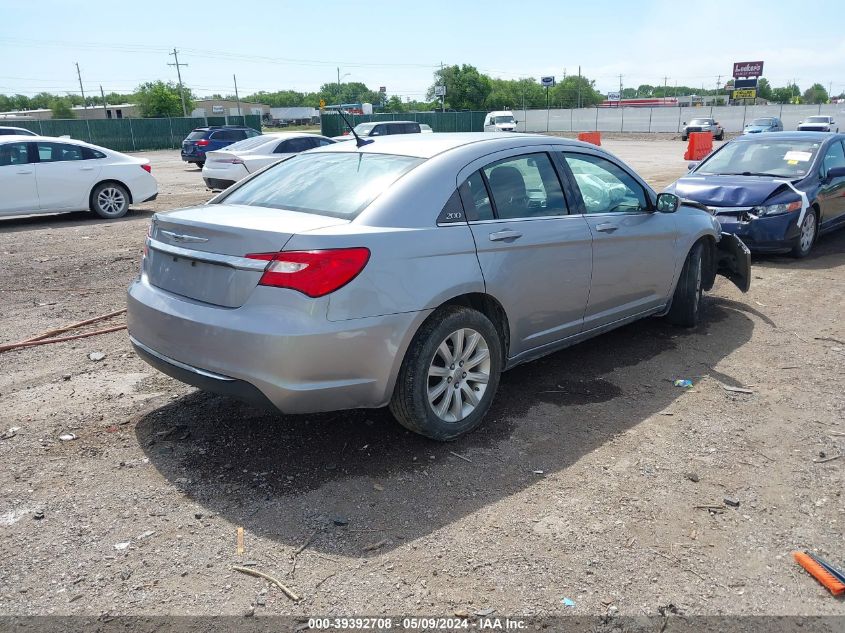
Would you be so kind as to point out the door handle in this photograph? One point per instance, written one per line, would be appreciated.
(505, 235)
(86, 169)
(606, 227)
(24, 171)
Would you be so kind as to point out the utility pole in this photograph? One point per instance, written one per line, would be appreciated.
(665, 82)
(579, 87)
(718, 85)
(237, 96)
(78, 74)
(620, 90)
(442, 97)
(103, 95)
(175, 54)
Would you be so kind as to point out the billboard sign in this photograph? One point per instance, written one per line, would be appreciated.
(613, 96)
(748, 93)
(547, 82)
(748, 69)
(439, 91)
(740, 84)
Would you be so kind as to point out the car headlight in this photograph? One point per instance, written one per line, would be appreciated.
(777, 209)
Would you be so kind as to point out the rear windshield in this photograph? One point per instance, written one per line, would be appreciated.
(249, 143)
(700, 122)
(335, 184)
(362, 129)
(197, 134)
(785, 159)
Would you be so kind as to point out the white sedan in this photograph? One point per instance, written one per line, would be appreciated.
(225, 167)
(42, 174)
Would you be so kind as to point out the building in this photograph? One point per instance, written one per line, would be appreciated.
(295, 116)
(227, 107)
(121, 111)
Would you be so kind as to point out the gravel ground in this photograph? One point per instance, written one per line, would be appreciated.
(588, 480)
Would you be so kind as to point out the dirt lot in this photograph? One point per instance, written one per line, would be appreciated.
(584, 483)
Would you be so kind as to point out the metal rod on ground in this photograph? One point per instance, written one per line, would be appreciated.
(72, 326)
(6, 348)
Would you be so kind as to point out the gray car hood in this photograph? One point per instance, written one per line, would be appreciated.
(727, 191)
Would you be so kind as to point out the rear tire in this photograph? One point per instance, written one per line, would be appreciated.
(721, 136)
(686, 302)
(110, 200)
(201, 165)
(807, 236)
(449, 375)
(684, 138)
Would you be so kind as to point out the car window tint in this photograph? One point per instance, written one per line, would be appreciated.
(55, 152)
(412, 128)
(13, 154)
(296, 145)
(379, 130)
(476, 199)
(525, 186)
(325, 141)
(90, 154)
(196, 135)
(605, 187)
(834, 157)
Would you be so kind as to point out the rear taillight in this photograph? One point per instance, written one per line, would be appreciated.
(147, 168)
(232, 161)
(314, 273)
(203, 142)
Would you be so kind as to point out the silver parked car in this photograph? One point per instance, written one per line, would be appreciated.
(818, 124)
(703, 125)
(413, 270)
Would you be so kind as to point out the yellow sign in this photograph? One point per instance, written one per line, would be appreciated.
(322, 103)
(747, 93)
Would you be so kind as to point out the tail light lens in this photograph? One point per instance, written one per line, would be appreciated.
(313, 273)
(234, 161)
(203, 142)
(147, 168)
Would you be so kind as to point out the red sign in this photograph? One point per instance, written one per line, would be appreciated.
(748, 69)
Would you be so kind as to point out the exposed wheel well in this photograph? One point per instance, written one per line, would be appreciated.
(107, 180)
(493, 310)
(711, 261)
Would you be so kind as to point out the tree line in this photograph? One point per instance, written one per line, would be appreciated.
(466, 89)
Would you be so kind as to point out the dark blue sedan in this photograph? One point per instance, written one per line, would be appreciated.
(777, 192)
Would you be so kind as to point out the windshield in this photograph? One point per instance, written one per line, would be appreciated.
(362, 129)
(700, 122)
(249, 143)
(817, 119)
(785, 159)
(763, 122)
(502, 119)
(336, 184)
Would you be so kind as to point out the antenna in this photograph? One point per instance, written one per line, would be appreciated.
(359, 142)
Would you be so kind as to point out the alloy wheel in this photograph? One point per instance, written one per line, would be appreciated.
(111, 200)
(458, 375)
(808, 231)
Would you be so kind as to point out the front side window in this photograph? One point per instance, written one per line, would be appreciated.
(525, 186)
(834, 157)
(13, 154)
(56, 152)
(335, 184)
(605, 187)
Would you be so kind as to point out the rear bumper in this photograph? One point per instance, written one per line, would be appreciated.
(776, 234)
(218, 183)
(275, 348)
(199, 157)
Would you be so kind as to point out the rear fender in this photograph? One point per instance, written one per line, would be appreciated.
(734, 261)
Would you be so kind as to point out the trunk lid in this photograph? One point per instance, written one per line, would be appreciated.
(199, 253)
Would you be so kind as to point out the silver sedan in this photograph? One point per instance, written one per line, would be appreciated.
(412, 270)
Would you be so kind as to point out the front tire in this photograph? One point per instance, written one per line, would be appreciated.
(721, 136)
(110, 200)
(686, 302)
(807, 235)
(449, 375)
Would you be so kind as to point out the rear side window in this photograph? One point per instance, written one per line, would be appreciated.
(476, 199)
(524, 187)
(250, 133)
(197, 135)
(56, 152)
(411, 128)
(327, 183)
(91, 154)
(325, 141)
(13, 154)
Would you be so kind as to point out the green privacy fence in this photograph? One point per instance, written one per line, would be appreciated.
(127, 135)
(332, 124)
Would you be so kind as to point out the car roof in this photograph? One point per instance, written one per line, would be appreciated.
(388, 122)
(430, 145)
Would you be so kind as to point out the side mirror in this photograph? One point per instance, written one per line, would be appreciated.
(684, 123)
(668, 202)
(692, 165)
(835, 172)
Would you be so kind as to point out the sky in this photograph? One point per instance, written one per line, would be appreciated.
(277, 45)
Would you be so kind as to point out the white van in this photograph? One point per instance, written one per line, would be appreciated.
(500, 121)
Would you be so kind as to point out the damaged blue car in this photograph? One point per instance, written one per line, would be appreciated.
(776, 191)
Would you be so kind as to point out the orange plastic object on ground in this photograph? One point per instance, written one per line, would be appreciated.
(700, 144)
(590, 137)
(818, 572)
